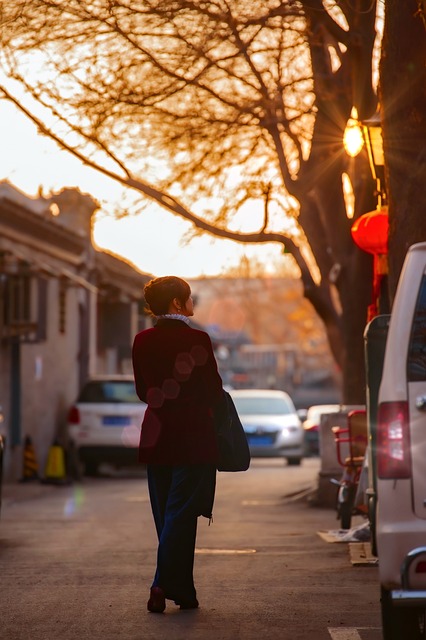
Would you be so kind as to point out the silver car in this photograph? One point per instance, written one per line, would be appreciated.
(271, 423)
(105, 422)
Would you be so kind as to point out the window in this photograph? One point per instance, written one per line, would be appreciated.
(41, 302)
(263, 406)
(109, 391)
(17, 300)
(23, 307)
(62, 306)
(416, 366)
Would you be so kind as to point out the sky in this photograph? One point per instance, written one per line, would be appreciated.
(154, 239)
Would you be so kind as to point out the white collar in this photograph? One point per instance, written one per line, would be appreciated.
(175, 316)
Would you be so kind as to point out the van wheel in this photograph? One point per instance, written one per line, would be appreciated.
(401, 623)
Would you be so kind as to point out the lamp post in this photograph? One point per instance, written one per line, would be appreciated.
(370, 231)
(372, 135)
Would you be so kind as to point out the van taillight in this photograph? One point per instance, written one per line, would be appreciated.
(74, 416)
(393, 441)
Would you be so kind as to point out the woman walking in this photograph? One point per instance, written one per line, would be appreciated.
(176, 375)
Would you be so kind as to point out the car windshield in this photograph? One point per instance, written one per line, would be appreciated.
(109, 391)
(266, 406)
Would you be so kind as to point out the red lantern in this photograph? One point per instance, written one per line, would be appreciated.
(370, 231)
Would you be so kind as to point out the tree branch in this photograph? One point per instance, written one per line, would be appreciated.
(168, 201)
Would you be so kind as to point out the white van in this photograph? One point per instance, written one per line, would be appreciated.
(401, 458)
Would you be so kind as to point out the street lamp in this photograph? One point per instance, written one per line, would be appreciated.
(368, 133)
(372, 134)
(353, 136)
(370, 231)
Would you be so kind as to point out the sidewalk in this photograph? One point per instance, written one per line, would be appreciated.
(23, 491)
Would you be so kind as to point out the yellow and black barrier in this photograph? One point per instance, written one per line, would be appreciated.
(30, 466)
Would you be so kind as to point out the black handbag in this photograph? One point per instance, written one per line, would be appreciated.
(234, 452)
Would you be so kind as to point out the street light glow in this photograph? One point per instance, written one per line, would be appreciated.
(353, 140)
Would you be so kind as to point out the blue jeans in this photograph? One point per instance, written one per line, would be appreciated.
(179, 494)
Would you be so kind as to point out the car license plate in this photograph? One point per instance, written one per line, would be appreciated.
(116, 421)
(260, 441)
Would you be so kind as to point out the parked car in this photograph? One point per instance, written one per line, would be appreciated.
(400, 516)
(105, 422)
(271, 423)
(311, 426)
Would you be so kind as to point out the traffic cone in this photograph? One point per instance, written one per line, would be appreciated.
(30, 466)
(54, 472)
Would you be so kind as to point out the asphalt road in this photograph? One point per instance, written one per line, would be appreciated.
(76, 563)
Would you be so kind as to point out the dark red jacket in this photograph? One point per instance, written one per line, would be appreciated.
(176, 375)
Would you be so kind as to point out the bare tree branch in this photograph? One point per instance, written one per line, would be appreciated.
(167, 201)
(226, 96)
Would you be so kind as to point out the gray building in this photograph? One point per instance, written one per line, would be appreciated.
(67, 311)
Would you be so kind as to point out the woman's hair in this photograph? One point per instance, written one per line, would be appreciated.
(159, 293)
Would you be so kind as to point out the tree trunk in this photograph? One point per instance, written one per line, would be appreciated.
(345, 269)
(403, 101)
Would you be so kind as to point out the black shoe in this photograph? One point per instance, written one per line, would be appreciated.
(157, 600)
(188, 604)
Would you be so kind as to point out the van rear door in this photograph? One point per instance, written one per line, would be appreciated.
(416, 382)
